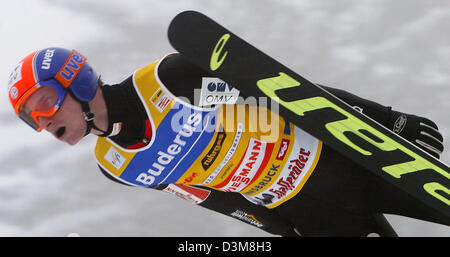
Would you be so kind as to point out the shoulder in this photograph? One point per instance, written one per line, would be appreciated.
(178, 64)
(181, 76)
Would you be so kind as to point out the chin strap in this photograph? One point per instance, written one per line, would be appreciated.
(89, 118)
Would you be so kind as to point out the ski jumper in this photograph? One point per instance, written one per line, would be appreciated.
(285, 182)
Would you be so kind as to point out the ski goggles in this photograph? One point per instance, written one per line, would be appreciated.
(42, 100)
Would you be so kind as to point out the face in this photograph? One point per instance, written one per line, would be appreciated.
(67, 124)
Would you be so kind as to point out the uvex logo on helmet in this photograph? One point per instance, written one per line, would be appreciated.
(70, 69)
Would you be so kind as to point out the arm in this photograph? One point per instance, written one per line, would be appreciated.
(233, 205)
(418, 130)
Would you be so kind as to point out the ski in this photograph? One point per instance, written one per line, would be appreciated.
(351, 133)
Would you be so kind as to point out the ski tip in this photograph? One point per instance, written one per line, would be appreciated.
(179, 21)
(186, 13)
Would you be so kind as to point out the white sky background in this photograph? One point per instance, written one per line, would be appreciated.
(393, 52)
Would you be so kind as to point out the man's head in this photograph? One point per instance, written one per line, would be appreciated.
(50, 89)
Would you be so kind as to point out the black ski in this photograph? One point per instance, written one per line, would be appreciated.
(361, 139)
